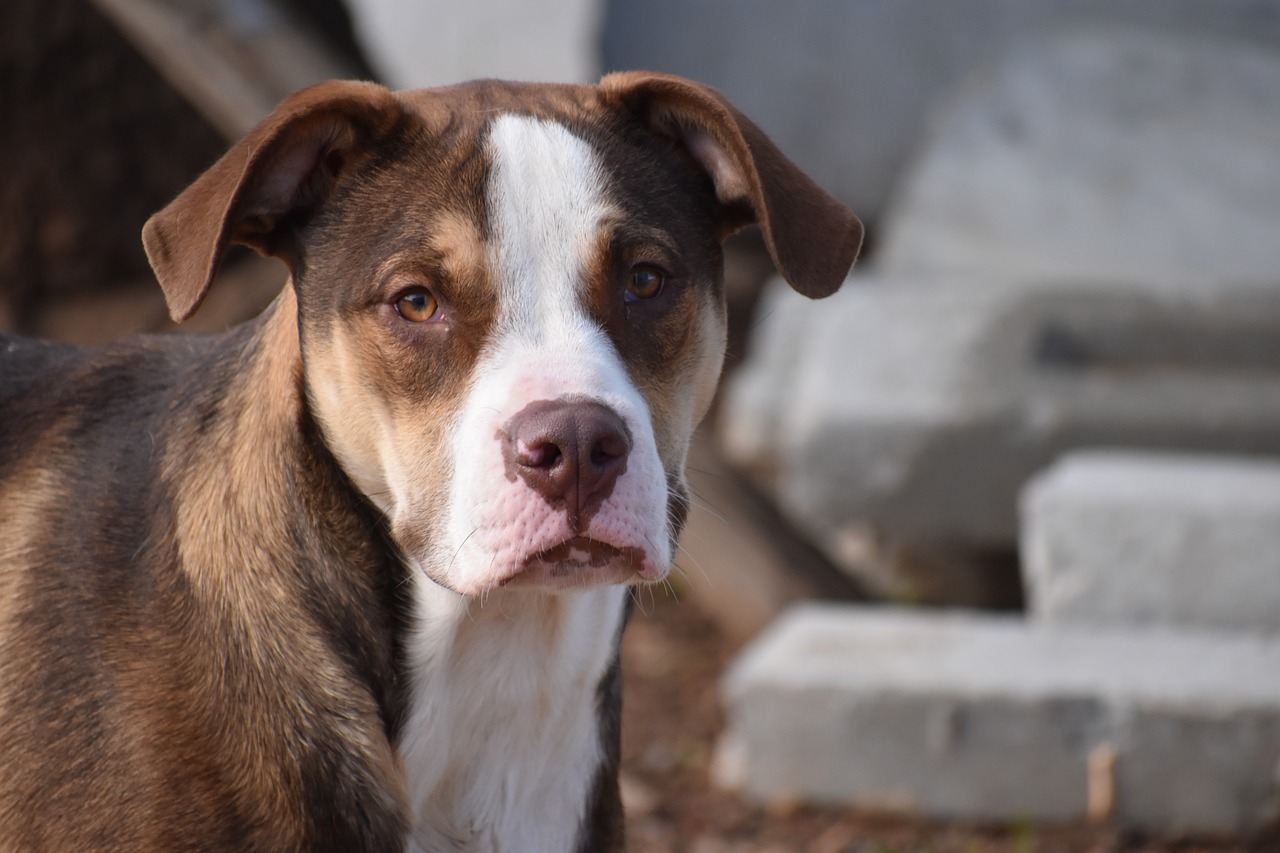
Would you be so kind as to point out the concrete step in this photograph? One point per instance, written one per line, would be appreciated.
(1128, 538)
(992, 718)
(908, 413)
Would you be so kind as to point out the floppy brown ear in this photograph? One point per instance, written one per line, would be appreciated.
(284, 166)
(812, 238)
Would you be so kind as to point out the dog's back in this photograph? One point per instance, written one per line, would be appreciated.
(24, 362)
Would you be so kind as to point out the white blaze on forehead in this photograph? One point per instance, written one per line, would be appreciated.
(548, 209)
(547, 204)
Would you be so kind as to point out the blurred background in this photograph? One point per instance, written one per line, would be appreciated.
(987, 548)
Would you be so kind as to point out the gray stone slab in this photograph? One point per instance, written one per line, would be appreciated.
(1128, 538)
(918, 407)
(1101, 155)
(991, 718)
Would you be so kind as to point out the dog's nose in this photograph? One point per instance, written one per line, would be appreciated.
(570, 452)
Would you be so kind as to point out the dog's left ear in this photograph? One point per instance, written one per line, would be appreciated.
(276, 174)
(812, 238)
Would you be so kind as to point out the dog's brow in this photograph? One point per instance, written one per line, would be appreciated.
(546, 199)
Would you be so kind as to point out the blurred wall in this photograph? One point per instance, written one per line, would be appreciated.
(844, 85)
(415, 43)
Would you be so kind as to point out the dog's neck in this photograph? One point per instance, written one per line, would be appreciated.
(503, 741)
(266, 524)
(261, 463)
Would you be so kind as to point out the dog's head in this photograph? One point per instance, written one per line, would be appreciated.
(510, 301)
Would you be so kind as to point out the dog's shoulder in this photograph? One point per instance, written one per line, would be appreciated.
(43, 383)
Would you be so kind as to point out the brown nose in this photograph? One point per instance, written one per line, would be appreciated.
(570, 452)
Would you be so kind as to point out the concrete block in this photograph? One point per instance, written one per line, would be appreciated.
(1108, 155)
(1128, 538)
(918, 407)
(991, 718)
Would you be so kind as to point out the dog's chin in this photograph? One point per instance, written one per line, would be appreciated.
(582, 562)
(576, 563)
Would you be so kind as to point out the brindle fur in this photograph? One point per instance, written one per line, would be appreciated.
(201, 617)
(250, 700)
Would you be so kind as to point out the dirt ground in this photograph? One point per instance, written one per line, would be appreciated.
(673, 656)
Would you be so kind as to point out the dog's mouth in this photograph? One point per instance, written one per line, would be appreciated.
(581, 562)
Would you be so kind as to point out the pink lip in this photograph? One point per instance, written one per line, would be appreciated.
(582, 562)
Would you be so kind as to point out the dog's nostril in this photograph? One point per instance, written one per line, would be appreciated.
(538, 454)
(609, 448)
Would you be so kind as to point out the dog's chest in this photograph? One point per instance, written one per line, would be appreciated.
(502, 739)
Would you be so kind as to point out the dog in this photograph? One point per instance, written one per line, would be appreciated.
(352, 576)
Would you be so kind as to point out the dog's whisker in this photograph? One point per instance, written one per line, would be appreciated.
(648, 592)
(706, 506)
(682, 572)
(760, 320)
(462, 545)
(697, 565)
(712, 475)
(503, 601)
(637, 595)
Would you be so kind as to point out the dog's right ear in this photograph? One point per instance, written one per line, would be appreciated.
(812, 238)
(283, 168)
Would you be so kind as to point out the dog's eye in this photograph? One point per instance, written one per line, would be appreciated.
(645, 282)
(417, 305)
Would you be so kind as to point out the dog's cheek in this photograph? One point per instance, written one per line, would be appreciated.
(422, 495)
(384, 392)
(355, 424)
(680, 385)
(356, 391)
(706, 355)
(680, 405)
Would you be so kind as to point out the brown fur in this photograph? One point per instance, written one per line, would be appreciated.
(148, 708)
(201, 608)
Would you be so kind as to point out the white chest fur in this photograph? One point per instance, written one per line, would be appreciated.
(501, 740)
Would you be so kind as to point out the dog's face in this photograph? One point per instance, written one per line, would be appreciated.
(510, 301)
(511, 363)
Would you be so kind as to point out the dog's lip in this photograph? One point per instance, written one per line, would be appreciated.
(582, 561)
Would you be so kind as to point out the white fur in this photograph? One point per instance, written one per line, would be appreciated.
(501, 743)
(502, 740)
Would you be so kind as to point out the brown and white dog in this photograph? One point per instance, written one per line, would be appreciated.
(352, 576)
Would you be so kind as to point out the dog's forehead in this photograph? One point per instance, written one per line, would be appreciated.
(469, 107)
(458, 122)
(511, 157)
(472, 145)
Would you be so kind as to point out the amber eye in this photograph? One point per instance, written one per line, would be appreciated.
(645, 282)
(417, 305)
